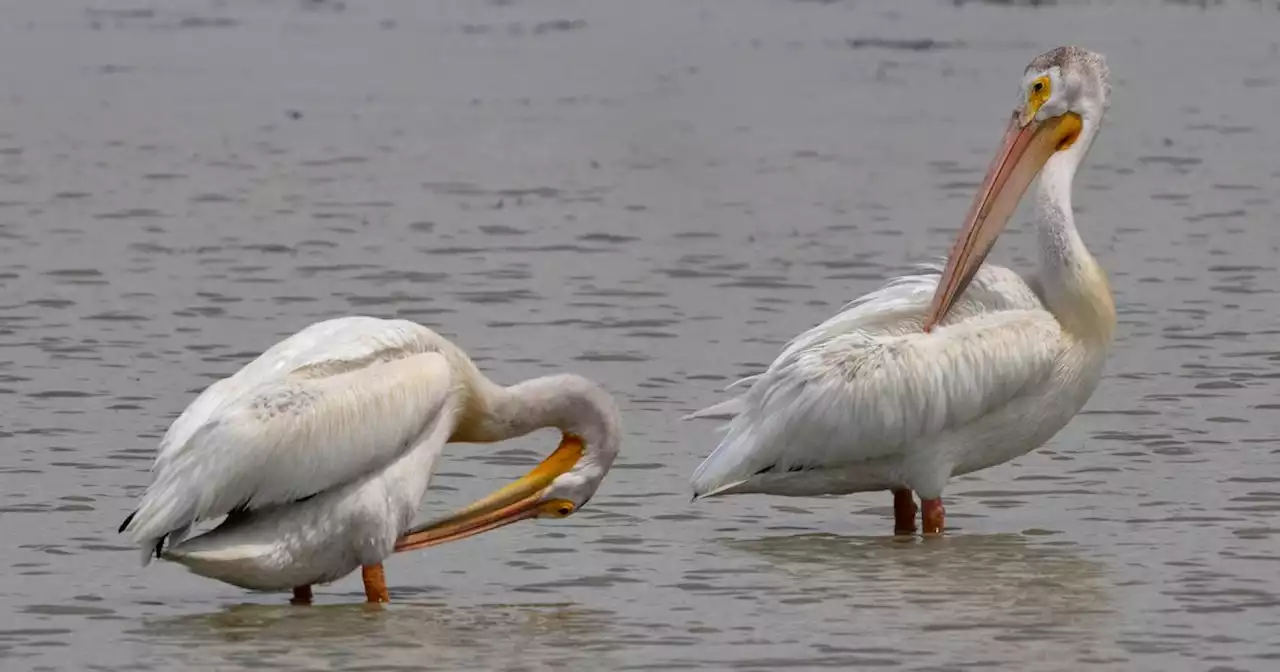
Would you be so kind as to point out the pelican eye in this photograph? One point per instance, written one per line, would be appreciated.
(1038, 93)
(557, 508)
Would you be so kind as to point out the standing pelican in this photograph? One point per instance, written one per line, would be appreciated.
(901, 392)
(319, 453)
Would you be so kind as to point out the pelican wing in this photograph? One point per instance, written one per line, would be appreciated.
(869, 382)
(333, 402)
(898, 308)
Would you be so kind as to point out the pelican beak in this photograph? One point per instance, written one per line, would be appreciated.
(1027, 145)
(518, 501)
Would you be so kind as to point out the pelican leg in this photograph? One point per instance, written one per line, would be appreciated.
(934, 516)
(904, 512)
(301, 595)
(375, 583)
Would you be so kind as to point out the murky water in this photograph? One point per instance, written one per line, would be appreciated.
(657, 195)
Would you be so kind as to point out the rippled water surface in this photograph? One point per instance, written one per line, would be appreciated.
(657, 195)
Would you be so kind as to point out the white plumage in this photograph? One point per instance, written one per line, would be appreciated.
(951, 371)
(863, 391)
(321, 449)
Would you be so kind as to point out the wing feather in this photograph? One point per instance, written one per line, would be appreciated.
(868, 382)
(341, 342)
(898, 308)
(322, 408)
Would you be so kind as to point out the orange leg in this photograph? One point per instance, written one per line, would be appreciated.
(934, 516)
(904, 512)
(375, 583)
(301, 595)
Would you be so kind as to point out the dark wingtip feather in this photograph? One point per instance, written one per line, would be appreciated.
(159, 542)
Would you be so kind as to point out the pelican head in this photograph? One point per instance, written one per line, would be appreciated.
(1061, 99)
(558, 486)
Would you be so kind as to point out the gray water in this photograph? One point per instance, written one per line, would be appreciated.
(656, 195)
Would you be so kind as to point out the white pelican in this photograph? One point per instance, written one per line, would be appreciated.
(877, 398)
(319, 452)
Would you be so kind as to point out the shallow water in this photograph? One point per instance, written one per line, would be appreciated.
(656, 195)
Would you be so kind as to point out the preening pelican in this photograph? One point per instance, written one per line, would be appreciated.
(319, 452)
(901, 391)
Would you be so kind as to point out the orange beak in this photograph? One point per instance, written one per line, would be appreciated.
(1023, 152)
(518, 501)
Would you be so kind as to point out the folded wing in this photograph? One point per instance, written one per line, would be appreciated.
(324, 407)
(869, 382)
